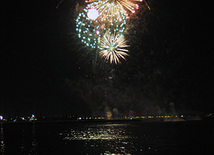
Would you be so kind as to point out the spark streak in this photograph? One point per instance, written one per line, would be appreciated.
(59, 4)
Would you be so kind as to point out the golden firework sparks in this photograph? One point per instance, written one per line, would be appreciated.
(122, 5)
(113, 47)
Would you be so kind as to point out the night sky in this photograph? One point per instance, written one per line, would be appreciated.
(45, 70)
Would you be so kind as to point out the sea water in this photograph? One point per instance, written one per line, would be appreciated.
(107, 137)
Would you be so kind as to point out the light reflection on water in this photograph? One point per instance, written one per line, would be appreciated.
(2, 143)
(109, 138)
(29, 143)
(98, 132)
(105, 138)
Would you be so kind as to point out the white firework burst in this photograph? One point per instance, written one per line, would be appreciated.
(113, 47)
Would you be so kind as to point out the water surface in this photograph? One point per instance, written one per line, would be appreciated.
(117, 137)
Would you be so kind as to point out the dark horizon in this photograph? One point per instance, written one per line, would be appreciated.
(47, 71)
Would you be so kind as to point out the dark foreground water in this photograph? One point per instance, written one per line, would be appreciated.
(133, 137)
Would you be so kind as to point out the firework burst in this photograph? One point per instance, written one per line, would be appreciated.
(87, 29)
(109, 6)
(91, 28)
(107, 11)
(113, 47)
(102, 24)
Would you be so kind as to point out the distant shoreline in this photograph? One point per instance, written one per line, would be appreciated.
(100, 121)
